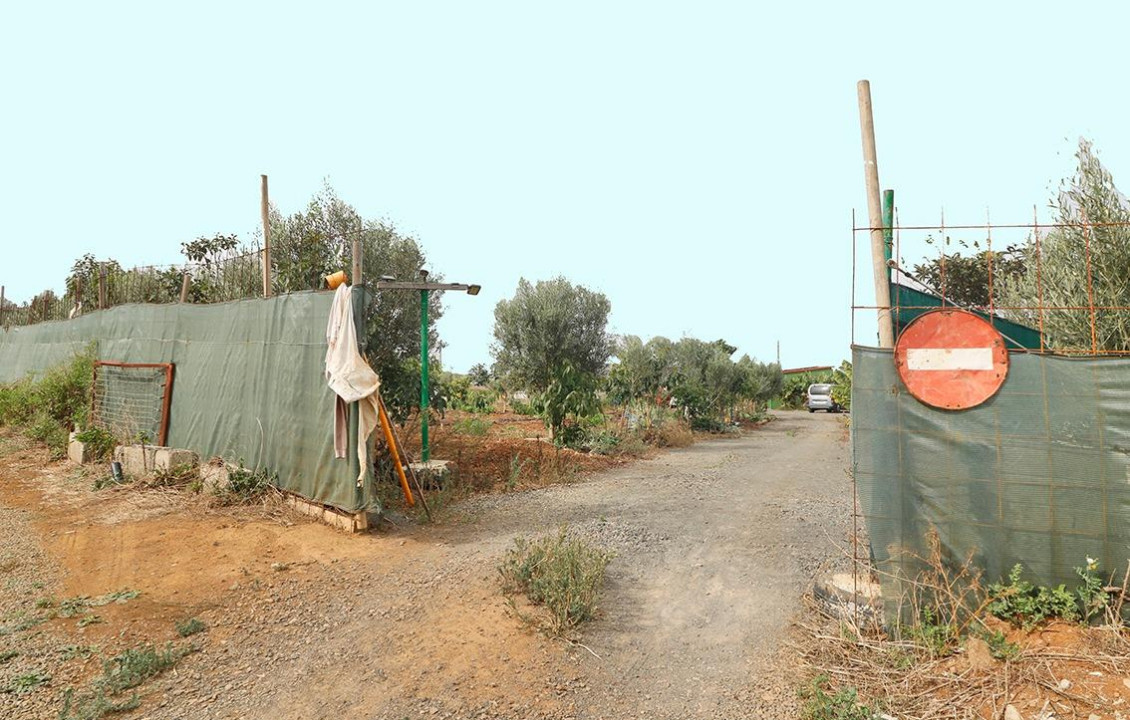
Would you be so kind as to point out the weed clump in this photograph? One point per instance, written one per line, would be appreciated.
(246, 486)
(136, 665)
(564, 574)
(99, 441)
(190, 626)
(844, 704)
(1026, 605)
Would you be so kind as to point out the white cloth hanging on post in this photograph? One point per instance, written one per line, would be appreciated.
(351, 378)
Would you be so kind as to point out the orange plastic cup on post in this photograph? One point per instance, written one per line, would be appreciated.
(333, 281)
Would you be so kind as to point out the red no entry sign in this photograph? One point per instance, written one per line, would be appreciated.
(951, 359)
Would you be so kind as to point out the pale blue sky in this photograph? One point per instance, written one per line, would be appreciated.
(697, 162)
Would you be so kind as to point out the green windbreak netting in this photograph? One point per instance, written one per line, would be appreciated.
(1039, 474)
(248, 382)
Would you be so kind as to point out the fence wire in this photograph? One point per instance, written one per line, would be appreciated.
(232, 276)
(1067, 282)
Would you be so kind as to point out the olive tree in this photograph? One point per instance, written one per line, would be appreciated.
(551, 338)
(1090, 213)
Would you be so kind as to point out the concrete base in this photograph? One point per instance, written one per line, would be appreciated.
(433, 474)
(349, 522)
(142, 460)
(844, 585)
(215, 475)
(77, 452)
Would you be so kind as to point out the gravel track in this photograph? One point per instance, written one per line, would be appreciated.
(714, 546)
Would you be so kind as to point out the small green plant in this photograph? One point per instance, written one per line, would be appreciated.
(1092, 596)
(70, 652)
(246, 485)
(1000, 647)
(562, 573)
(44, 602)
(517, 465)
(25, 683)
(93, 705)
(136, 665)
(938, 637)
(474, 426)
(90, 619)
(118, 596)
(6, 655)
(1026, 605)
(190, 626)
(822, 704)
(24, 623)
(99, 441)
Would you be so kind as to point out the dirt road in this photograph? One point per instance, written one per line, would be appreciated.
(714, 545)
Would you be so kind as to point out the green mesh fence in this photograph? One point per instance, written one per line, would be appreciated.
(248, 383)
(1039, 474)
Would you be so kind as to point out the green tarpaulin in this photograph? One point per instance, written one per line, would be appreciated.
(1039, 474)
(248, 384)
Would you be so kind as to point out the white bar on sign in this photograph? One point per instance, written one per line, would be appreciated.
(949, 358)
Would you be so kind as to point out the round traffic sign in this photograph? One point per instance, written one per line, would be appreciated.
(951, 359)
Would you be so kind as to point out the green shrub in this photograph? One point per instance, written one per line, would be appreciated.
(246, 486)
(1025, 605)
(48, 407)
(48, 431)
(99, 441)
(562, 573)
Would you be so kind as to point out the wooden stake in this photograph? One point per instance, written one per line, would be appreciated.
(184, 287)
(875, 215)
(101, 287)
(1, 306)
(356, 277)
(264, 210)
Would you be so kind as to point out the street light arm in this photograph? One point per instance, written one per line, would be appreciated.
(394, 285)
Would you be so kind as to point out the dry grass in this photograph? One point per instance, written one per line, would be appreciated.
(924, 672)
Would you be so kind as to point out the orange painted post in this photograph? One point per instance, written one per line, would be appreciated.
(387, 427)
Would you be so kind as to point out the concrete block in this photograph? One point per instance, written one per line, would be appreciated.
(433, 473)
(137, 460)
(349, 522)
(77, 452)
(166, 459)
(216, 475)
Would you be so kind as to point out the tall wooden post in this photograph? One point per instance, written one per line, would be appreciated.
(875, 216)
(184, 287)
(1, 306)
(264, 210)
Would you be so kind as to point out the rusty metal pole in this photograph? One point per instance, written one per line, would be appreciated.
(875, 216)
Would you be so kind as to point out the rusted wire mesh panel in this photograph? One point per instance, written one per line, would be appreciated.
(131, 400)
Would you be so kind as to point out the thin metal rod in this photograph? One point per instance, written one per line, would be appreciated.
(1039, 276)
(1090, 286)
(425, 450)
